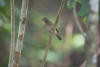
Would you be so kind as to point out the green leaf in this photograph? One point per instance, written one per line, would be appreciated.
(70, 4)
(84, 8)
(85, 20)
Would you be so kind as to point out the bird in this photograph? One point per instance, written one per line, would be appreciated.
(49, 26)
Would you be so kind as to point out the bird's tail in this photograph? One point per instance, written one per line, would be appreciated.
(46, 64)
(58, 36)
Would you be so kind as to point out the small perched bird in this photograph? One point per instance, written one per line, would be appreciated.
(49, 26)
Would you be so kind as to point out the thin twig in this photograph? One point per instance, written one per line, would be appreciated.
(77, 20)
(21, 32)
(12, 46)
(52, 33)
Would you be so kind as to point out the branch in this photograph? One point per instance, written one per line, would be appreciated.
(21, 32)
(77, 20)
(52, 33)
(92, 33)
(12, 46)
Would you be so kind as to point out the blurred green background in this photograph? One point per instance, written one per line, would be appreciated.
(62, 53)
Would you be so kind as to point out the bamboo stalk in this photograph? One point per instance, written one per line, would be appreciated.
(12, 46)
(52, 33)
(21, 32)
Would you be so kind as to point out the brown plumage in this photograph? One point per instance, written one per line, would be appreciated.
(49, 26)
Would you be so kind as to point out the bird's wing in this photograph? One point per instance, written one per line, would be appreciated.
(57, 30)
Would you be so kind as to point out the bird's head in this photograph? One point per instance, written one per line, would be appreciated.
(45, 20)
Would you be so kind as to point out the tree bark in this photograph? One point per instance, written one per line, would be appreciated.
(21, 32)
(91, 52)
(12, 46)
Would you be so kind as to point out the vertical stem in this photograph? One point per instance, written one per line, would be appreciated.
(92, 33)
(12, 46)
(77, 20)
(51, 34)
(21, 32)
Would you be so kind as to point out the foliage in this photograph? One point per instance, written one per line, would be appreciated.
(78, 42)
(36, 36)
(84, 6)
(83, 11)
(52, 56)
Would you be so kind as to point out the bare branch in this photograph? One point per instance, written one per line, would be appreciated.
(52, 33)
(21, 32)
(12, 46)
